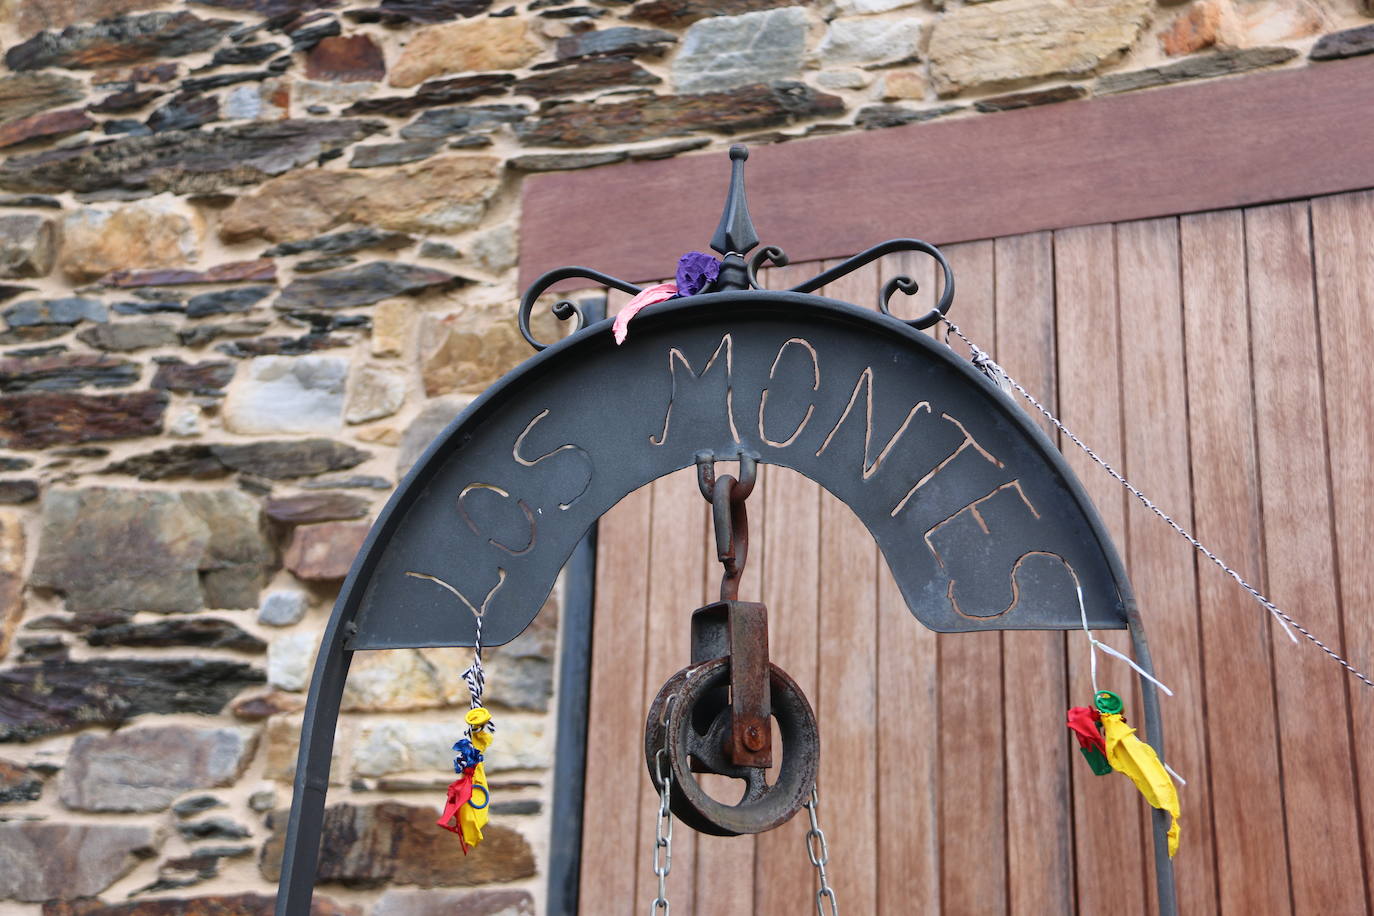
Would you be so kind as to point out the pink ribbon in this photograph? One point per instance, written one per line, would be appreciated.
(649, 296)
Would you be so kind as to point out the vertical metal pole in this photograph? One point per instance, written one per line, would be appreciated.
(301, 854)
(574, 692)
(1154, 730)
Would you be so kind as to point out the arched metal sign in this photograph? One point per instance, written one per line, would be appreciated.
(976, 512)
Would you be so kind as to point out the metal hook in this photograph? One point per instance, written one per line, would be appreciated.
(729, 516)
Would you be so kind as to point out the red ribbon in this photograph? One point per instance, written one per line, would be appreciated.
(1082, 722)
(459, 793)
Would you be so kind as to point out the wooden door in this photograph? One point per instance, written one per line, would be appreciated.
(1220, 361)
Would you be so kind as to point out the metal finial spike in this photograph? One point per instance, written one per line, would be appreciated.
(736, 231)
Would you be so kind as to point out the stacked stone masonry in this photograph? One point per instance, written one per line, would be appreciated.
(254, 255)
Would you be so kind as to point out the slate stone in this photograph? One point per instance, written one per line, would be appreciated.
(281, 394)
(120, 39)
(372, 845)
(677, 14)
(196, 805)
(238, 557)
(364, 285)
(318, 265)
(258, 269)
(184, 162)
(355, 58)
(269, 9)
(226, 301)
(1218, 64)
(218, 905)
(125, 101)
(282, 346)
(243, 54)
(19, 783)
(48, 126)
(179, 461)
(202, 632)
(127, 127)
(428, 423)
(259, 706)
(1346, 43)
(106, 548)
(343, 242)
(193, 377)
(875, 117)
(63, 371)
(38, 420)
(395, 902)
(517, 807)
(585, 76)
(41, 859)
(575, 12)
(558, 162)
(286, 460)
(57, 697)
(748, 108)
(284, 607)
(197, 337)
(366, 157)
(184, 114)
(154, 307)
(127, 336)
(621, 40)
(307, 39)
(869, 42)
(28, 245)
(25, 94)
(353, 481)
(324, 552)
(215, 828)
(68, 311)
(30, 200)
(403, 12)
(145, 769)
(445, 122)
(1029, 99)
(436, 93)
(8, 463)
(18, 492)
(316, 507)
(726, 52)
(664, 151)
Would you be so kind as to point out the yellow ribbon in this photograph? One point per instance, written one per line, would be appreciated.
(1129, 755)
(472, 819)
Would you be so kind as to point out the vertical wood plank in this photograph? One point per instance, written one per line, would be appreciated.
(614, 727)
(1318, 779)
(1252, 865)
(847, 673)
(972, 766)
(1155, 409)
(1039, 812)
(677, 530)
(1111, 852)
(1341, 229)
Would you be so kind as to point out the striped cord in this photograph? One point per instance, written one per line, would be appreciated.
(985, 364)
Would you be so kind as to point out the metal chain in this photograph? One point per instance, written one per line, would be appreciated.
(985, 364)
(819, 853)
(663, 840)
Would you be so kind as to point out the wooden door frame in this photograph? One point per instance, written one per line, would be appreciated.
(1258, 138)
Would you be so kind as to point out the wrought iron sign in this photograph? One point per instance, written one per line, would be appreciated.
(977, 514)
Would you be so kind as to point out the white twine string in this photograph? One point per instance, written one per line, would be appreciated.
(1094, 644)
(475, 676)
(985, 364)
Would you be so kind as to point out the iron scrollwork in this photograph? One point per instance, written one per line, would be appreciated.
(734, 238)
(564, 309)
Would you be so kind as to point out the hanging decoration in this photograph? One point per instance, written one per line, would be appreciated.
(467, 807)
(696, 271)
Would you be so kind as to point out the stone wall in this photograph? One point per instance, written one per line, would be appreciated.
(254, 254)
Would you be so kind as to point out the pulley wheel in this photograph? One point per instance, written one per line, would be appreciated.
(691, 719)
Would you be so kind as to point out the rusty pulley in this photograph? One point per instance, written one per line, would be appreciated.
(717, 715)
